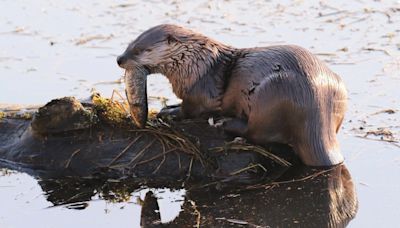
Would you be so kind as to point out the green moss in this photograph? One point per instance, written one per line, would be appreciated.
(15, 115)
(25, 116)
(152, 115)
(109, 111)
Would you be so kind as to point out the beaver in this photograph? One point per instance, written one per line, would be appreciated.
(275, 94)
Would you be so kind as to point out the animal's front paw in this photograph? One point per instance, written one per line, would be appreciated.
(170, 112)
(238, 140)
(235, 127)
(219, 123)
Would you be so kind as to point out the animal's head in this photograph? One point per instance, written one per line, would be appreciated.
(149, 53)
(181, 54)
(156, 47)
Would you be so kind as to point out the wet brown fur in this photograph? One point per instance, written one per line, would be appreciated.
(275, 94)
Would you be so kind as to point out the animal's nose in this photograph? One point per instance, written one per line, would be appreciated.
(121, 60)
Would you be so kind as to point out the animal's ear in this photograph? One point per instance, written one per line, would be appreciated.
(172, 39)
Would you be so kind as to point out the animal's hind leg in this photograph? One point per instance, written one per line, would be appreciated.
(312, 137)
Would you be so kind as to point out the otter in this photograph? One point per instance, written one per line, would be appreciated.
(275, 94)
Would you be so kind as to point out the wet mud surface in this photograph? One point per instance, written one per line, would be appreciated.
(51, 49)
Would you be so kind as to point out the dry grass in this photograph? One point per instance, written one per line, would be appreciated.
(247, 147)
(172, 139)
(115, 111)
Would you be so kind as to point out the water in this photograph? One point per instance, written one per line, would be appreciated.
(53, 49)
(24, 198)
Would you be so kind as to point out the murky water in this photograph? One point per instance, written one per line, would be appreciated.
(52, 49)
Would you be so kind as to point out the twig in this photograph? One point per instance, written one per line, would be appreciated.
(388, 111)
(358, 20)
(124, 150)
(70, 158)
(182, 143)
(75, 197)
(189, 169)
(377, 49)
(392, 142)
(333, 13)
(197, 212)
(292, 181)
(241, 222)
(122, 98)
(159, 165)
(155, 157)
(247, 168)
(161, 140)
(141, 152)
(257, 149)
(179, 161)
(325, 54)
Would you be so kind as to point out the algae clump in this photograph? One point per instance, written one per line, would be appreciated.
(109, 111)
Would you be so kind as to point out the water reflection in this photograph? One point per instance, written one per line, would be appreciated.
(74, 193)
(301, 197)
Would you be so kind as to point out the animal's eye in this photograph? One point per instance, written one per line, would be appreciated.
(147, 50)
(135, 51)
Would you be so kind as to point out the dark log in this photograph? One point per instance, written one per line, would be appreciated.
(64, 139)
